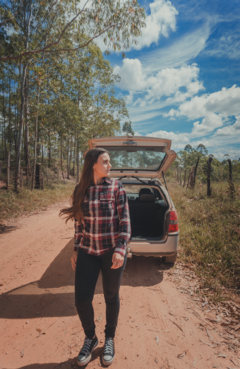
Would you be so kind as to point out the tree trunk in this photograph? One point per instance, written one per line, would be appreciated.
(8, 169)
(189, 176)
(185, 176)
(70, 159)
(19, 148)
(35, 140)
(180, 176)
(27, 149)
(9, 118)
(37, 182)
(193, 174)
(49, 150)
(77, 160)
(61, 153)
(231, 185)
(68, 169)
(18, 158)
(178, 172)
(209, 189)
(74, 156)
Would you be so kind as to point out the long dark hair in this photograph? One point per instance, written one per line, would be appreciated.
(87, 179)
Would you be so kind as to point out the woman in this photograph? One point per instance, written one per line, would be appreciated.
(102, 230)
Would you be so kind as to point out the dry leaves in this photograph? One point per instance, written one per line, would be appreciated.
(180, 356)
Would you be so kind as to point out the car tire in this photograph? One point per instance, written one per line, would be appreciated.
(170, 259)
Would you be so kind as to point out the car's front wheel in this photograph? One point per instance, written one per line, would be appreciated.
(170, 259)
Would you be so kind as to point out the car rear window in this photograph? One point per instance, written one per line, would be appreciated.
(131, 158)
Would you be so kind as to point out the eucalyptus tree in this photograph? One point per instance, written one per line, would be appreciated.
(32, 27)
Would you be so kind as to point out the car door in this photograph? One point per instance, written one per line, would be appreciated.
(137, 156)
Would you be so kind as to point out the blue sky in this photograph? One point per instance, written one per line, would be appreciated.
(182, 80)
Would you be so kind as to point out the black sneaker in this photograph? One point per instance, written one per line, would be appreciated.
(85, 354)
(108, 351)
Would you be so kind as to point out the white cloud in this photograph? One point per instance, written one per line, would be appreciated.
(132, 75)
(225, 102)
(185, 48)
(228, 45)
(160, 21)
(230, 130)
(167, 82)
(179, 140)
(209, 123)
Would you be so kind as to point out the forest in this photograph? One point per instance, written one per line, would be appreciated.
(56, 88)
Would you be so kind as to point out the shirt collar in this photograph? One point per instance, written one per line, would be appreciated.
(105, 179)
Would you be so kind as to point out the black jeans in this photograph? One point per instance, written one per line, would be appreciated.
(86, 276)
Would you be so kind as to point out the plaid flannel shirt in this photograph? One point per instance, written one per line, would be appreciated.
(106, 221)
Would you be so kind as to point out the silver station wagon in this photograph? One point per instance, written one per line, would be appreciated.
(140, 164)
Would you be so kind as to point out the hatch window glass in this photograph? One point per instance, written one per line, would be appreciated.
(136, 158)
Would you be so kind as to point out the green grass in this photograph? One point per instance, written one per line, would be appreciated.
(210, 234)
(13, 205)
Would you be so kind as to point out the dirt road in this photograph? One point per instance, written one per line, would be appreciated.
(159, 326)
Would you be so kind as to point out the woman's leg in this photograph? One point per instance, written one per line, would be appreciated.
(111, 283)
(86, 276)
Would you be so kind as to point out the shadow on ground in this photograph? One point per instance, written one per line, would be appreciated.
(69, 364)
(53, 294)
(6, 229)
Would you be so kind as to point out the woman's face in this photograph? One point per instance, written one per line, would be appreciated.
(102, 167)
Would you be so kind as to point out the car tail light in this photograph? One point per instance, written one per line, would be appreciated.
(173, 225)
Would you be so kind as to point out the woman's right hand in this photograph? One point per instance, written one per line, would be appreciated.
(74, 260)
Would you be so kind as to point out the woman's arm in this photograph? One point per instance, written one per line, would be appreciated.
(124, 220)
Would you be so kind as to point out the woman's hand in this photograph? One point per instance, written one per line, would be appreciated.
(117, 260)
(74, 260)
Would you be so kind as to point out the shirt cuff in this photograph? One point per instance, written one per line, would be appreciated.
(120, 249)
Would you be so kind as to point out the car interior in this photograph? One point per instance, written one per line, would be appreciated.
(147, 209)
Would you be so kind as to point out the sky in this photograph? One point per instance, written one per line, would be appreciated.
(182, 80)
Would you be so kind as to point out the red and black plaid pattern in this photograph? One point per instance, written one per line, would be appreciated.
(106, 222)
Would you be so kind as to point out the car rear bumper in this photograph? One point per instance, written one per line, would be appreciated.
(154, 248)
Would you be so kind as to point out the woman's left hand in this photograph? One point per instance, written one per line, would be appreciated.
(117, 260)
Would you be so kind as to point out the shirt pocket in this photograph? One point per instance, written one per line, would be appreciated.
(107, 201)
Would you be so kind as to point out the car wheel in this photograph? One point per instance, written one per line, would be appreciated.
(170, 259)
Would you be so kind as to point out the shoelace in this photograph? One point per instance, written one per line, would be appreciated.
(108, 347)
(86, 345)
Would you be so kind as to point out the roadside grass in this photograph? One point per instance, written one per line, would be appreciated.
(13, 205)
(210, 235)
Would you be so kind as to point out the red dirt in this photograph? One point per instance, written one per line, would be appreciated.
(39, 325)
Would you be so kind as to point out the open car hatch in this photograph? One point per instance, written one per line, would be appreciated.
(139, 156)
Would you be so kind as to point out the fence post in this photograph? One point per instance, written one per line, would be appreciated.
(8, 170)
(209, 189)
(180, 176)
(178, 172)
(231, 185)
(0, 170)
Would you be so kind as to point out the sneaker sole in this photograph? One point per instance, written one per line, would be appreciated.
(82, 363)
(106, 363)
